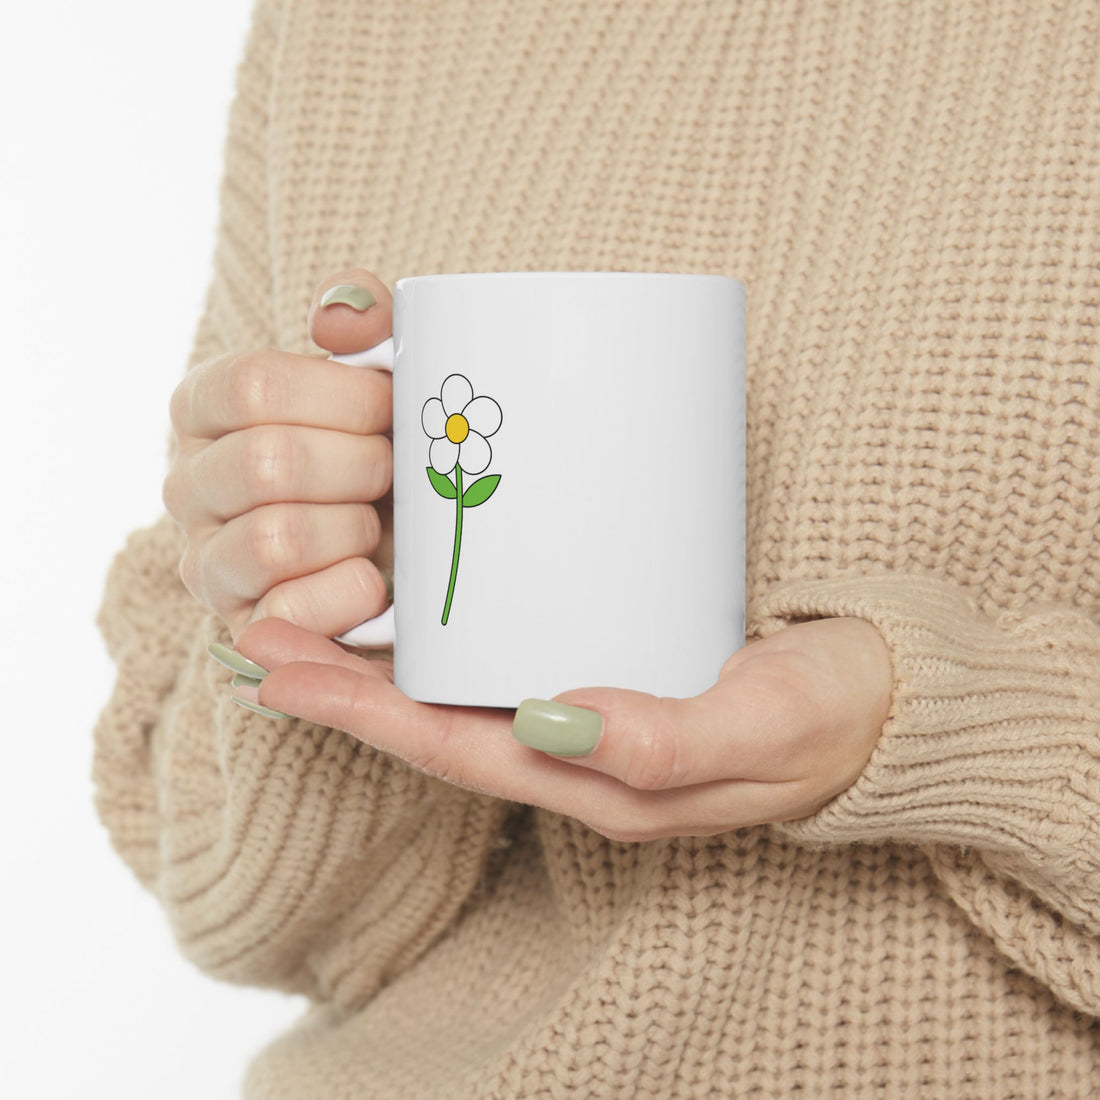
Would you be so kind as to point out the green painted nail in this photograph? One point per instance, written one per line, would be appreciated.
(242, 681)
(267, 712)
(556, 727)
(347, 294)
(233, 660)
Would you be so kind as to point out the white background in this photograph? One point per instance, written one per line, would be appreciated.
(112, 122)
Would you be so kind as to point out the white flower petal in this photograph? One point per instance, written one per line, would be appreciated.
(433, 418)
(484, 415)
(443, 455)
(456, 393)
(476, 454)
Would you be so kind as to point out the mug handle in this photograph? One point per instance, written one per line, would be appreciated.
(379, 631)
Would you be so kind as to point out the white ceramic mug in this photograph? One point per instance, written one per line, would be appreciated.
(569, 483)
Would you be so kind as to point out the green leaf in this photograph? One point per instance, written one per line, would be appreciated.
(480, 491)
(442, 485)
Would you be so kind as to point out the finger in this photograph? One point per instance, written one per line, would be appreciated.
(351, 311)
(471, 747)
(273, 643)
(277, 463)
(466, 746)
(278, 387)
(648, 742)
(318, 680)
(329, 601)
(250, 555)
(732, 731)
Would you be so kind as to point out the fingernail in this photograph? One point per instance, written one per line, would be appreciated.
(267, 712)
(387, 576)
(247, 688)
(557, 727)
(233, 660)
(246, 695)
(347, 294)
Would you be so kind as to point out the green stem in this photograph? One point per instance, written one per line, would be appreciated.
(458, 546)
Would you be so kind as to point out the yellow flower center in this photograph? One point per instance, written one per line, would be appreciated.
(458, 427)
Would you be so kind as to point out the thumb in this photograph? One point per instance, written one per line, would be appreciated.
(351, 311)
(647, 742)
(734, 730)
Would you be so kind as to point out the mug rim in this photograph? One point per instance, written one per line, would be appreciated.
(584, 275)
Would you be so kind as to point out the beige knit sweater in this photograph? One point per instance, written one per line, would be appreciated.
(909, 190)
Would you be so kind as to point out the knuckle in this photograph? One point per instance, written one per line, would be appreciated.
(656, 760)
(171, 492)
(382, 399)
(435, 759)
(444, 759)
(251, 387)
(275, 541)
(268, 462)
(377, 402)
(365, 586)
(381, 467)
(190, 569)
(179, 404)
(372, 527)
(292, 602)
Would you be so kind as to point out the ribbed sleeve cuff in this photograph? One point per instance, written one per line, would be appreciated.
(992, 736)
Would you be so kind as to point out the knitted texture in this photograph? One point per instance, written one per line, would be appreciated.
(909, 191)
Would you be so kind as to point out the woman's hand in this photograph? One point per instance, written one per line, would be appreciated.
(790, 724)
(276, 456)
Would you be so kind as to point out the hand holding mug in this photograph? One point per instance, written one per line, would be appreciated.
(282, 473)
(790, 724)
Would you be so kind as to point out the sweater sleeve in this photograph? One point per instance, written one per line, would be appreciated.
(989, 761)
(285, 854)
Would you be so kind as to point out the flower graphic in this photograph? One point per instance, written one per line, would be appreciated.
(458, 425)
